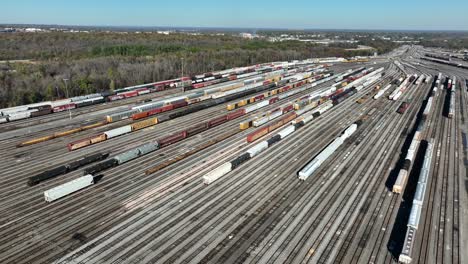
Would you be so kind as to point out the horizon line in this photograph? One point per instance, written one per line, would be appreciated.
(237, 28)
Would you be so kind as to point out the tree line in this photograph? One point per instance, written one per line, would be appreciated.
(100, 61)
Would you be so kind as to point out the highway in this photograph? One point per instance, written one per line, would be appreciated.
(260, 212)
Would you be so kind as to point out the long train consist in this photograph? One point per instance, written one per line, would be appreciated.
(188, 83)
(296, 124)
(91, 173)
(416, 208)
(177, 104)
(403, 174)
(313, 165)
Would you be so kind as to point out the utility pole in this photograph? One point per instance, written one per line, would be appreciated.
(182, 66)
(68, 97)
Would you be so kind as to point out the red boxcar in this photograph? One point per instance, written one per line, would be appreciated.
(140, 115)
(233, 77)
(217, 121)
(171, 139)
(198, 85)
(115, 97)
(287, 88)
(61, 108)
(79, 144)
(257, 134)
(235, 114)
(154, 111)
(180, 103)
(288, 108)
(130, 94)
(196, 129)
(259, 97)
(167, 108)
(274, 100)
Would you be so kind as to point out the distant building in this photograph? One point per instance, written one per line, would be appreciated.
(247, 35)
(33, 30)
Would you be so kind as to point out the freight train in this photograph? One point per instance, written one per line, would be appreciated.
(44, 108)
(416, 208)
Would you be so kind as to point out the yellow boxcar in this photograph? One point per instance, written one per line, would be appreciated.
(144, 124)
(230, 107)
(244, 125)
(98, 138)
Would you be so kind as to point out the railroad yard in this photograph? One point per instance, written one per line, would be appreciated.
(315, 161)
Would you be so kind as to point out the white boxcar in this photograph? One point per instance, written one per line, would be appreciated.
(400, 181)
(275, 114)
(286, 131)
(412, 150)
(19, 115)
(251, 108)
(118, 131)
(253, 151)
(349, 131)
(217, 173)
(260, 121)
(420, 193)
(414, 216)
(263, 104)
(68, 188)
(427, 110)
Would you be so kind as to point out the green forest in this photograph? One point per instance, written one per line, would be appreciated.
(99, 61)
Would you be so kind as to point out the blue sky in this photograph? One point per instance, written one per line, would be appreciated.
(297, 14)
